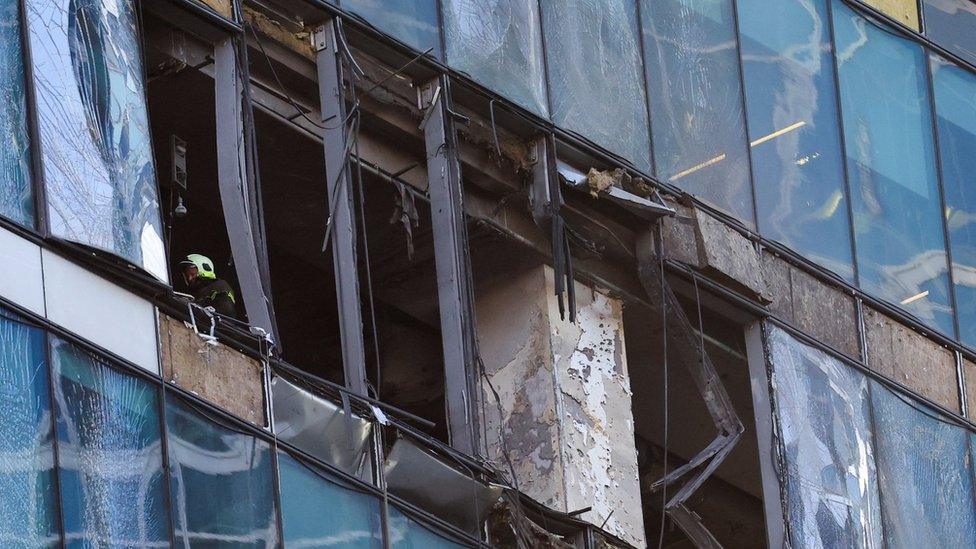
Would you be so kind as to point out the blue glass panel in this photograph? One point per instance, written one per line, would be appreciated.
(221, 483)
(699, 131)
(414, 22)
(109, 450)
(925, 474)
(406, 533)
(952, 25)
(791, 100)
(888, 130)
(824, 425)
(16, 193)
(955, 104)
(499, 43)
(316, 511)
(27, 514)
(595, 74)
(99, 177)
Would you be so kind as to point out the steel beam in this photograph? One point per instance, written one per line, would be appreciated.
(342, 217)
(231, 170)
(454, 287)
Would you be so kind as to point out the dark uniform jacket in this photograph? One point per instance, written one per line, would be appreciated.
(214, 293)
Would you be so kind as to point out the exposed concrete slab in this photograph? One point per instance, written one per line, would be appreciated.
(901, 354)
(215, 372)
(777, 273)
(223, 7)
(729, 256)
(680, 238)
(825, 312)
(969, 374)
(565, 397)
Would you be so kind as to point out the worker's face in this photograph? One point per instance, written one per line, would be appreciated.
(190, 272)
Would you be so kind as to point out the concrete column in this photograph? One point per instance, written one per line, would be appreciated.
(564, 407)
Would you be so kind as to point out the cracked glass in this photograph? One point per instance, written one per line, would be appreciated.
(406, 533)
(27, 514)
(955, 107)
(595, 74)
(824, 425)
(888, 131)
(318, 511)
(16, 190)
(109, 452)
(221, 481)
(925, 474)
(499, 43)
(697, 120)
(99, 177)
(791, 102)
(414, 22)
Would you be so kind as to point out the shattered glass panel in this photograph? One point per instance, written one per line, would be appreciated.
(16, 192)
(109, 450)
(99, 176)
(699, 132)
(797, 157)
(951, 24)
(825, 429)
(414, 22)
(221, 482)
(499, 43)
(27, 514)
(595, 72)
(317, 511)
(406, 533)
(891, 167)
(925, 474)
(955, 107)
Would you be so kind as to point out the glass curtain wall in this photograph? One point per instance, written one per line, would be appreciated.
(699, 131)
(951, 24)
(596, 74)
(866, 466)
(891, 167)
(16, 191)
(99, 177)
(414, 22)
(955, 106)
(794, 129)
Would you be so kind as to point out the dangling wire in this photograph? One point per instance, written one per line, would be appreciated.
(664, 346)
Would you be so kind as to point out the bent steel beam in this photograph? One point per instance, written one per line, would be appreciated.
(232, 182)
(341, 214)
(454, 288)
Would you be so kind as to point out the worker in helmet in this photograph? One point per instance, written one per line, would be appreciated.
(207, 290)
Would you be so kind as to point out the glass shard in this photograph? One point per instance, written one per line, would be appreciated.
(99, 177)
(109, 451)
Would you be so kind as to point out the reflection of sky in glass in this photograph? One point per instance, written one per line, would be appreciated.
(220, 482)
(825, 432)
(791, 103)
(414, 22)
(888, 131)
(96, 151)
(27, 515)
(952, 25)
(352, 518)
(406, 533)
(955, 105)
(499, 43)
(595, 73)
(16, 194)
(109, 452)
(697, 121)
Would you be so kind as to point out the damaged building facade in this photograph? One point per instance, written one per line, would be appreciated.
(509, 273)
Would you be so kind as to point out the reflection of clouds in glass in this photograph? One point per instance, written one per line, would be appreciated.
(94, 128)
(412, 21)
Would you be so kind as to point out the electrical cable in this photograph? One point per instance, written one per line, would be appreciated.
(664, 346)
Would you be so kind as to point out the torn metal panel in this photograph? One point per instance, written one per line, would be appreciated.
(336, 135)
(452, 261)
(231, 181)
(319, 427)
(609, 184)
(423, 479)
(689, 347)
(547, 202)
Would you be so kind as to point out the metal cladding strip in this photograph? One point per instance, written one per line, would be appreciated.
(343, 235)
(710, 386)
(453, 269)
(230, 178)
